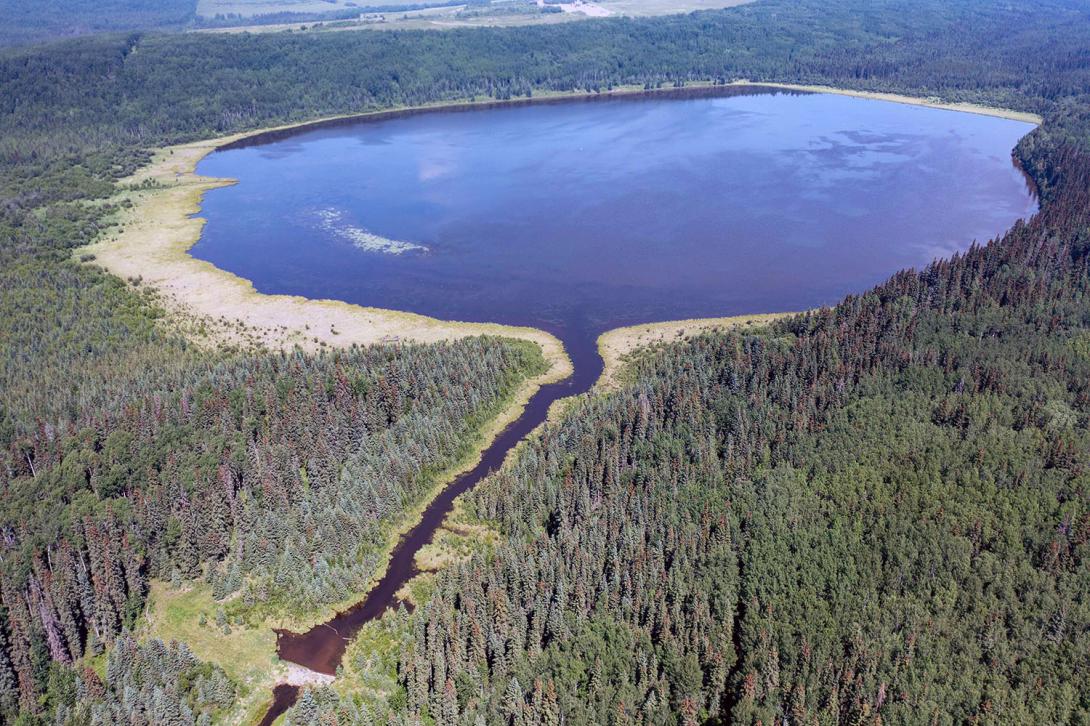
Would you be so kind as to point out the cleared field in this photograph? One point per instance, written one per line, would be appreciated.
(666, 7)
(250, 8)
(437, 15)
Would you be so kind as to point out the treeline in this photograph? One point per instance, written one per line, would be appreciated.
(147, 89)
(878, 512)
(43, 20)
(278, 475)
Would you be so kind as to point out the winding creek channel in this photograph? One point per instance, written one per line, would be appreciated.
(322, 647)
(577, 217)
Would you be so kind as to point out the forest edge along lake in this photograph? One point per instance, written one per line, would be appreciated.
(156, 233)
(579, 217)
(321, 648)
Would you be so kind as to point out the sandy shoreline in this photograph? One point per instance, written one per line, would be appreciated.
(1024, 116)
(616, 345)
(215, 306)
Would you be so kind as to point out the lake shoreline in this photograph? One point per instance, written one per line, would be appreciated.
(216, 307)
(700, 89)
(213, 306)
(934, 102)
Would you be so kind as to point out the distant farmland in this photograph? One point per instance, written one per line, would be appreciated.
(252, 8)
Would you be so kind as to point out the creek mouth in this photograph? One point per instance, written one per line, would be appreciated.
(577, 217)
(322, 648)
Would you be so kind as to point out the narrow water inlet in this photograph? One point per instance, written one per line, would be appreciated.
(284, 697)
(578, 218)
(322, 648)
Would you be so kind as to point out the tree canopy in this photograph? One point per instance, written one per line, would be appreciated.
(872, 512)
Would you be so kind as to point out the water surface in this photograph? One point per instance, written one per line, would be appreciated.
(582, 216)
(578, 217)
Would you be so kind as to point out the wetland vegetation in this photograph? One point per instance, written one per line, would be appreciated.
(579, 216)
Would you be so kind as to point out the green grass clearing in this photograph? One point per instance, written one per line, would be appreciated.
(246, 653)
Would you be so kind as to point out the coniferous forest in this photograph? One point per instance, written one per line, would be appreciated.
(873, 513)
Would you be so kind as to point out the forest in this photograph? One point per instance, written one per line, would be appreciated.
(874, 512)
(44, 20)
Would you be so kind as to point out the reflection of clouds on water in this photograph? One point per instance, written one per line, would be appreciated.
(939, 250)
(430, 170)
(332, 221)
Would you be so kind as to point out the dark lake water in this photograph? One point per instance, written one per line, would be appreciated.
(582, 216)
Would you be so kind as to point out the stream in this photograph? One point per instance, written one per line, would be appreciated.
(580, 216)
(322, 648)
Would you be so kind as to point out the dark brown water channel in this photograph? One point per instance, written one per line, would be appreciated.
(322, 647)
(579, 217)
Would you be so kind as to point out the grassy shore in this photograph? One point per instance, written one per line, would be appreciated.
(151, 244)
(214, 307)
(617, 346)
(934, 102)
(246, 654)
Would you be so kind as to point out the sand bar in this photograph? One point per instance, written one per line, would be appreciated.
(215, 306)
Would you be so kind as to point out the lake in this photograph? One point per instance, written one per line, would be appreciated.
(581, 216)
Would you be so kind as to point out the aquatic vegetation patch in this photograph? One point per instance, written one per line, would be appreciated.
(332, 220)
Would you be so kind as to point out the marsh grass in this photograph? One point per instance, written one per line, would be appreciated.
(247, 654)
